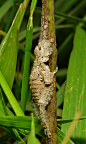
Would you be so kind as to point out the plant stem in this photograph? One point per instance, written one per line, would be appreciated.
(51, 109)
(70, 17)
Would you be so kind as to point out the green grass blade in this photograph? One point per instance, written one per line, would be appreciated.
(25, 123)
(22, 34)
(65, 42)
(68, 120)
(21, 122)
(3, 138)
(13, 133)
(75, 98)
(12, 100)
(57, 85)
(5, 7)
(2, 33)
(66, 6)
(10, 96)
(32, 139)
(69, 17)
(2, 113)
(61, 136)
(59, 112)
(62, 46)
(61, 72)
(8, 47)
(20, 46)
(57, 4)
(74, 10)
(64, 26)
(28, 46)
(60, 94)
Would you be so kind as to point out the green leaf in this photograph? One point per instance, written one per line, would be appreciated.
(59, 112)
(5, 7)
(69, 17)
(73, 11)
(60, 95)
(12, 132)
(68, 120)
(61, 72)
(32, 139)
(2, 113)
(10, 96)
(61, 136)
(75, 94)
(62, 46)
(8, 47)
(20, 46)
(4, 138)
(22, 122)
(28, 46)
(22, 34)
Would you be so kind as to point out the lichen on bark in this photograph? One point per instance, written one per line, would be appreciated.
(52, 107)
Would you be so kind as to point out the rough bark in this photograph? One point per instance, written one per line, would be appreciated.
(51, 109)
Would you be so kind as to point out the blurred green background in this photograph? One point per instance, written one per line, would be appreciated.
(66, 13)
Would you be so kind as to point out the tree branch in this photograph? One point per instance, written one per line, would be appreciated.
(51, 109)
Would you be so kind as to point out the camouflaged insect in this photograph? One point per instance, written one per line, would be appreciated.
(41, 79)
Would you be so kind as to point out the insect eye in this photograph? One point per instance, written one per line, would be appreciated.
(39, 48)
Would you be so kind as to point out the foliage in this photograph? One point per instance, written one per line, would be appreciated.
(16, 63)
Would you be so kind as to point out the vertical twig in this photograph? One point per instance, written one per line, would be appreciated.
(51, 109)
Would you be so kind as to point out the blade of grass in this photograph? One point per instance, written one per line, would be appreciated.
(60, 94)
(25, 123)
(22, 34)
(70, 17)
(59, 112)
(13, 103)
(13, 133)
(28, 46)
(36, 35)
(66, 6)
(64, 26)
(10, 96)
(57, 85)
(57, 4)
(62, 46)
(31, 137)
(11, 38)
(2, 33)
(75, 88)
(20, 46)
(61, 136)
(71, 128)
(61, 72)
(22, 122)
(5, 7)
(74, 10)
(4, 138)
(68, 120)
(8, 47)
